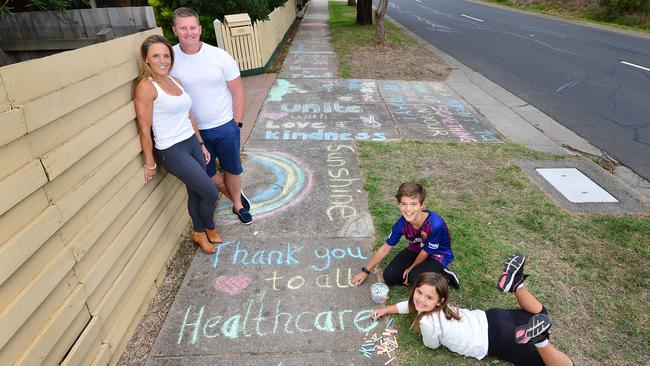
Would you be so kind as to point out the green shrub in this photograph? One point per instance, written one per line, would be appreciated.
(622, 6)
(209, 11)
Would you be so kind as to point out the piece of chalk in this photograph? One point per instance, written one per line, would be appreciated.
(389, 361)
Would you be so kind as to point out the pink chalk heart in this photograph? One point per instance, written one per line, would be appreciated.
(231, 285)
(276, 115)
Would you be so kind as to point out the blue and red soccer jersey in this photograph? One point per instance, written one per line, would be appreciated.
(433, 236)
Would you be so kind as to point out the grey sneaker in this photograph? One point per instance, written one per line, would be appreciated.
(513, 273)
(535, 331)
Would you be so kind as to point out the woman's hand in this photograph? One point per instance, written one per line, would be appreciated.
(206, 153)
(150, 171)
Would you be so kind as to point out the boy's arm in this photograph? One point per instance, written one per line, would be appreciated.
(374, 261)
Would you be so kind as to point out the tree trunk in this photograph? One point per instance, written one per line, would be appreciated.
(364, 12)
(352, 2)
(380, 31)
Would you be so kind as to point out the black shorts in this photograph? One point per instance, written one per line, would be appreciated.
(501, 337)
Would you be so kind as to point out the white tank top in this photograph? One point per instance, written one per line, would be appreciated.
(171, 117)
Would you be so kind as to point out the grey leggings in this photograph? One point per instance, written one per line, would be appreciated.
(185, 160)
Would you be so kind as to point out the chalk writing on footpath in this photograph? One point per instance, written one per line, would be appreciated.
(342, 190)
(291, 181)
(428, 110)
(316, 90)
(262, 313)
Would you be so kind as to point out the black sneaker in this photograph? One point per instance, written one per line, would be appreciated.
(244, 216)
(452, 279)
(535, 331)
(245, 201)
(513, 273)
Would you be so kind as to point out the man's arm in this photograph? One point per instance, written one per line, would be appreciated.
(236, 87)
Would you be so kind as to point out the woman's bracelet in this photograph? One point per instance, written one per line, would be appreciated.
(151, 168)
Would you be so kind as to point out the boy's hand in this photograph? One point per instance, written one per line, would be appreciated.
(359, 278)
(405, 275)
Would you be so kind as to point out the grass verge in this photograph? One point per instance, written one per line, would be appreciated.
(361, 56)
(590, 271)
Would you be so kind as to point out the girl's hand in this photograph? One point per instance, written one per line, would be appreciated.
(379, 312)
(206, 153)
(405, 275)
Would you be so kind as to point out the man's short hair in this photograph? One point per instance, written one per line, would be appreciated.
(184, 13)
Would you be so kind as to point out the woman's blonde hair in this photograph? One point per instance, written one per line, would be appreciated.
(438, 282)
(145, 70)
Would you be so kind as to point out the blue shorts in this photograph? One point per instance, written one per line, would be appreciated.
(223, 143)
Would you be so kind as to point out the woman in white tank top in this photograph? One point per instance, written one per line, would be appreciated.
(163, 107)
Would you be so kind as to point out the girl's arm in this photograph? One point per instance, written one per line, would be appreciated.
(430, 332)
(401, 308)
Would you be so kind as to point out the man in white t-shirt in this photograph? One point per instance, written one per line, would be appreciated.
(211, 77)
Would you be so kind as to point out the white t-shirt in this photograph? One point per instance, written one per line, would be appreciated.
(467, 336)
(171, 117)
(205, 75)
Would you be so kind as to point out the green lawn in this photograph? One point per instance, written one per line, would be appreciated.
(591, 271)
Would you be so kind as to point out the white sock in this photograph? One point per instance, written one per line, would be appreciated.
(542, 344)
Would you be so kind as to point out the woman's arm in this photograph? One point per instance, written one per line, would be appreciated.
(143, 98)
(206, 153)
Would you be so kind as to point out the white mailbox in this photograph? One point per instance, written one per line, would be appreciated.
(239, 24)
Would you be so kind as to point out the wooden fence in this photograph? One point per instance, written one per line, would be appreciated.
(83, 240)
(25, 36)
(255, 49)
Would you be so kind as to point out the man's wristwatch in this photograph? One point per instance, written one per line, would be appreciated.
(239, 124)
(365, 270)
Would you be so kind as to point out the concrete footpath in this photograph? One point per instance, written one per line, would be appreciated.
(278, 292)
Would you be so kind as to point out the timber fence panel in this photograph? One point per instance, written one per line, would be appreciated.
(60, 130)
(80, 232)
(12, 125)
(21, 341)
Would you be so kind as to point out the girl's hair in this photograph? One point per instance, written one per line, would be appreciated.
(145, 70)
(411, 189)
(438, 282)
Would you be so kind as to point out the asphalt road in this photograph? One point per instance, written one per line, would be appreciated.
(583, 77)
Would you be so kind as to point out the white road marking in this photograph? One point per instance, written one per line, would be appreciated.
(634, 65)
(477, 19)
(419, 1)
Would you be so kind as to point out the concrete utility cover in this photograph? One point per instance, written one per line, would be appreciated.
(575, 186)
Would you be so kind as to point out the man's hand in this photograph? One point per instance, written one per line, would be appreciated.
(359, 278)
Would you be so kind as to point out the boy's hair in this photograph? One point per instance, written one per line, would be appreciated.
(411, 189)
(145, 70)
(184, 13)
(438, 282)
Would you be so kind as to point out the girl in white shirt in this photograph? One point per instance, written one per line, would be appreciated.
(519, 336)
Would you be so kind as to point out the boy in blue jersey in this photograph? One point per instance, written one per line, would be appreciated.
(429, 242)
